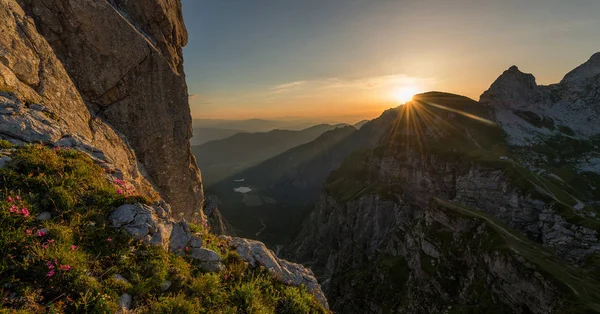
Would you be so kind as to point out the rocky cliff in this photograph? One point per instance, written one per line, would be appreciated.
(96, 173)
(125, 60)
(466, 206)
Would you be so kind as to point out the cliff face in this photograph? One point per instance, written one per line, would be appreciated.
(40, 103)
(125, 60)
(451, 213)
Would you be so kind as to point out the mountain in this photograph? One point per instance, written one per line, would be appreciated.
(259, 125)
(100, 197)
(225, 158)
(285, 187)
(360, 124)
(468, 206)
(204, 135)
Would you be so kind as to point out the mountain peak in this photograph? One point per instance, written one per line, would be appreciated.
(584, 72)
(512, 88)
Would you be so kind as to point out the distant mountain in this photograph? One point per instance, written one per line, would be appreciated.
(220, 159)
(204, 135)
(284, 187)
(361, 123)
(258, 125)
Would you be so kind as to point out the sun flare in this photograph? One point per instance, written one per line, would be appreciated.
(404, 93)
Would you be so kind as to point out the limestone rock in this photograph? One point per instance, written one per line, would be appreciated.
(165, 285)
(4, 161)
(218, 225)
(257, 254)
(40, 103)
(125, 59)
(125, 302)
(43, 216)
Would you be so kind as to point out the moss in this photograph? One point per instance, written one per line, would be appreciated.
(4, 144)
(67, 264)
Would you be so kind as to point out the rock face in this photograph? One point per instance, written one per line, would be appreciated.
(218, 225)
(257, 254)
(39, 103)
(530, 113)
(448, 214)
(125, 59)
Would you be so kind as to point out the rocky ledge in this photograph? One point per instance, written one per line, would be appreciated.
(152, 225)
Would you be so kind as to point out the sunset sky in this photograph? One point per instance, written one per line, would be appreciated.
(347, 60)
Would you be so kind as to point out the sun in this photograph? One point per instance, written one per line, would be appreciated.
(404, 93)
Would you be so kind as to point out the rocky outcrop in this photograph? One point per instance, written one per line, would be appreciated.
(152, 225)
(218, 225)
(257, 254)
(531, 113)
(39, 103)
(125, 59)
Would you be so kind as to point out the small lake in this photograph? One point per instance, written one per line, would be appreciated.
(239, 180)
(242, 189)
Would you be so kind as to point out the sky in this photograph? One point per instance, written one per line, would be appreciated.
(347, 60)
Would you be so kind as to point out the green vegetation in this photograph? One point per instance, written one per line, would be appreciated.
(68, 263)
(581, 287)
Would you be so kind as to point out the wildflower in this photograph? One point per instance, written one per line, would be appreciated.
(225, 277)
(13, 208)
(108, 239)
(187, 249)
(28, 232)
(50, 265)
(18, 198)
(73, 247)
(41, 233)
(10, 199)
(44, 246)
(120, 191)
(25, 212)
(65, 267)
(51, 241)
(50, 273)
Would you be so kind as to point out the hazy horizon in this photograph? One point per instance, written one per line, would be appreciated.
(347, 60)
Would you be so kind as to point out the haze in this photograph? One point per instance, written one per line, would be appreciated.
(349, 59)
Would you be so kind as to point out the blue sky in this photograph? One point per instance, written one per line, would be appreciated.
(349, 59)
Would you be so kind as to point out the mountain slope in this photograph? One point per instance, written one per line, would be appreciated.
(224, 158)
(286, 186)
(449, 213)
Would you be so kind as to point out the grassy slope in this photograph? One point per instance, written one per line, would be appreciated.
(68, 263)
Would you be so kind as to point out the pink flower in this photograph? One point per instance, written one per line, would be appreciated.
(44, 246)
(108, 239)
(25, 212)
(41, 233)
(28, 232)
(65, 267)
(73, 247)
(225, 277)
(18, 198)
(50, 273)
(10, 199)
(50, 265)
(120, 191)
(13, 208)
(51, 241)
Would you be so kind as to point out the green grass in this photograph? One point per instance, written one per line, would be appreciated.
(71, 267)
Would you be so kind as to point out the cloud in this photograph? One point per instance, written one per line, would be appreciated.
(382, 82)
(281, 88)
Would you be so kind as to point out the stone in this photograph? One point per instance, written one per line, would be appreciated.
(4, 161)
(195, 242)
(119, 277)
(125, 302)
(257, 254)
(211, 267)
(43, 216)
(204, 255)
(180, 236)
(165, 285)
